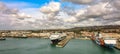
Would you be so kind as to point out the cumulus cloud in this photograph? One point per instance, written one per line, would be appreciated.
(105, 12)
(35, 20)
(99, 10)
(10, 17)
(5, 10)
(115, 3)
(51, 7)
(4, 16)
(65, 17)
(79, 1)
(2, 6)
(53, 16)
(100, 13)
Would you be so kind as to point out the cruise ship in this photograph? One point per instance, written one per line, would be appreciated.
(55, 38)
(104, 41)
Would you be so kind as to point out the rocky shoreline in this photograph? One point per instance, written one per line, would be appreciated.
(29, 34)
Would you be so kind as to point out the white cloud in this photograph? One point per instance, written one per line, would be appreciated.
(116, 4)
(98, 10)
(9, 18)
(2, 6)
(51, 7)
(101, 13)
(80, 1)
(70, 19)
(52, 16)
(80, 13)
(20, 5)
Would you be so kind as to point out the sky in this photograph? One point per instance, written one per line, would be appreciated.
(57, 14)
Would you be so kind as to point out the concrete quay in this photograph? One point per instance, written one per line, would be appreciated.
(118, 44)
(64, 42)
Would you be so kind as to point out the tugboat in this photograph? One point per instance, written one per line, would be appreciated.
(1, 38)
(56, 38)
(106, 41)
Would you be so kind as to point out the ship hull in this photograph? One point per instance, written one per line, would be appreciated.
(110, 45)
(104, 44)
(56, 38)
(97, 42)
(2, 39)
(55, 41)
(106, 41)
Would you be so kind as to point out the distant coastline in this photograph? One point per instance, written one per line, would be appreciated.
(78, 32)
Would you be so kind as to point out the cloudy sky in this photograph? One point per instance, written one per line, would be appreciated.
(57, 14)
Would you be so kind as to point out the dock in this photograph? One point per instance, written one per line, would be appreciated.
(117, 45)
(64, 42)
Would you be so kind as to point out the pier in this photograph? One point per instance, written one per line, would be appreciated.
(118, 44)
(64, 42)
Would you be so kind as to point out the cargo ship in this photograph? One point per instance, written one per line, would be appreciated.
(56, 38)
(106, 41)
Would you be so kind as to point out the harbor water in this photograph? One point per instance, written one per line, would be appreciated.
(42, 46)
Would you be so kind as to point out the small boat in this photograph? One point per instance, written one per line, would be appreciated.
(1, 38)
(55, 38)
(106, 41)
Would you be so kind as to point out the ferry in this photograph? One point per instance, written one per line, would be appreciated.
(56, 38)
(106, 41)
(1, 38)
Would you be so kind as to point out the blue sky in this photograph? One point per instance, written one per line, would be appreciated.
(21, 4)
(29, 1)
(26, 3)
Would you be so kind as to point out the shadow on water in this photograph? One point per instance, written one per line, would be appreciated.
(53, 45)
(104, 50)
